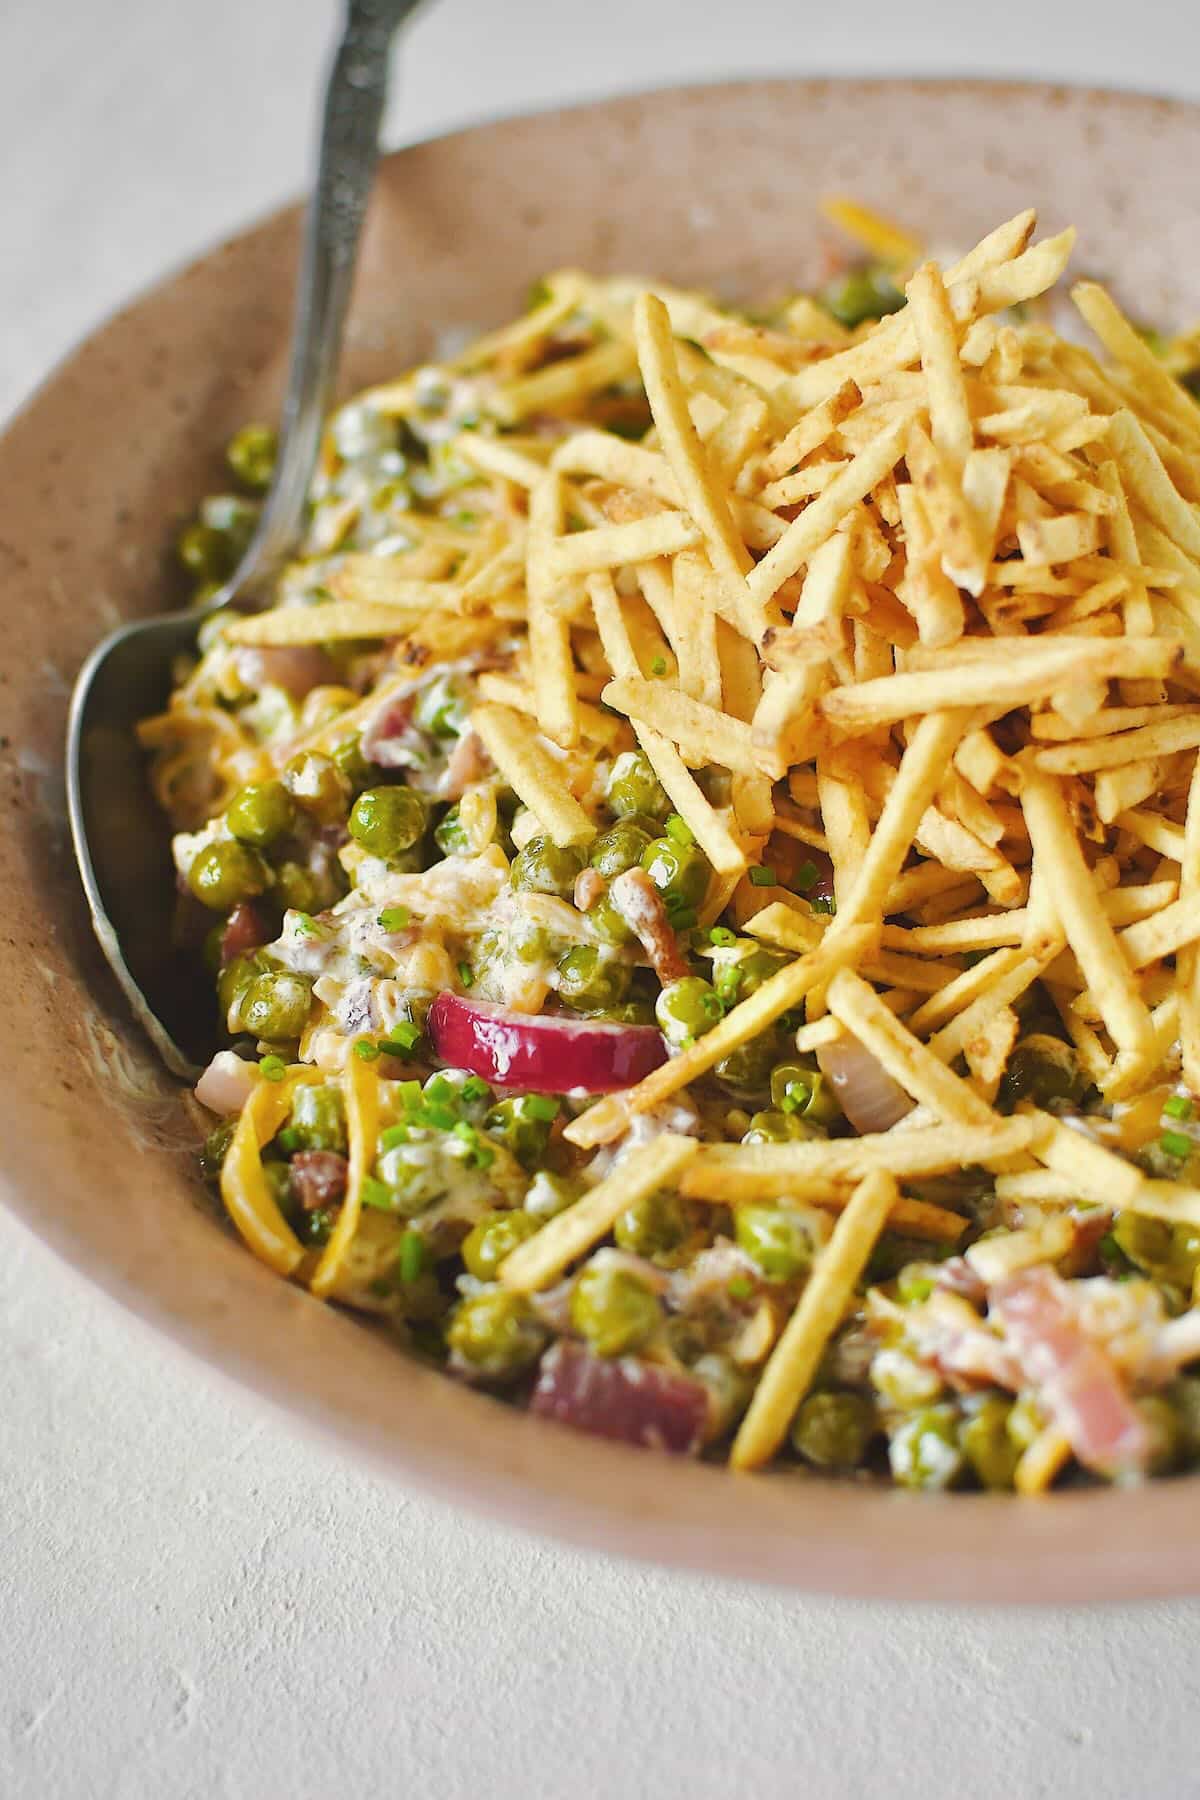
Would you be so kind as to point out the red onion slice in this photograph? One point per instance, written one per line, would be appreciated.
(866, 1093)
(540, 1054)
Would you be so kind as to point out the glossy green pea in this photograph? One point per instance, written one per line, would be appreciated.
(1042, 1069)
(251, 454)
(260, 813)
(924, 1451)
(757, 966)
(774, 1238)
(492, 1238)
(318, 1117)
(300, 889)
(353, 767)
(496, 1335)
(225, 872)
(531, 943)
(234, 983)
(729, 1390)
(862, 294)
(548, 1194)
(450, 836)
(686, 1009)
(1168, 1253)
(591, 981)
(317, 786)
(619, 848)
(747, 1070)
(608, 924)
(518, 1124)
(680, 872)
(613, 1310)
(833, 1430)
(204, 553)
(544, 867)
(388, 820)
(633, 787)
(1166, 1432)
(988, 1444)
(441, 708)
(772, 1127)
(276, 1006)
(216, 1144)
(656, 1225)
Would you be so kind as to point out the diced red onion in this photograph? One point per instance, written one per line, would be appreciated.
(538, 1053)
(621, 1398)
(866, 1093)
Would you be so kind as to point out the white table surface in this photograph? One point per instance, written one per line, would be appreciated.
(194, 1599)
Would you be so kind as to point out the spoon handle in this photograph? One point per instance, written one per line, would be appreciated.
(347, 155)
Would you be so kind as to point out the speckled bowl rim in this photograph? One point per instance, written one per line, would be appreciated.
(464, 1448)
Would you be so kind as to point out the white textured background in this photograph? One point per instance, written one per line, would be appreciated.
(194, 1601)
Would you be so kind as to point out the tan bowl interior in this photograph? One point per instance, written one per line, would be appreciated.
(714, 186)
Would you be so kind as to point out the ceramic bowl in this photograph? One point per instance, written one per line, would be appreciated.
(714, 186)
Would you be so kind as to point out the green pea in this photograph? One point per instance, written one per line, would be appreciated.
(987, 1442)
(352, 765)
(613, 1310)
(619, 848)
(260, 813)
(318, 1117)
(862, 294)
(1026, 1421)
(633, 787)
(251, 454)
(278, 1177)
(772, 1127)
(924, 1451)
(531, 943)
(680, 872)
(521, 1125)
(212, 1155)
(834, 1430)
(776, 1239)
(493, 1238)
(276, 1007)
(804, 1093)
(496, 1335)
(656, 1225)
(450, 836)
(300, 889)
(591, 981)
(234, 983)
(609, 924)
(204, 553)
(317, 786)
(315, 1227)
(388, 820)
(225, 872)
(747, 1070)
(413, 1176)
(1165, 1429)
(903, 1380)
(547, 1195)
(686, 1009)
(758, 966)
(1168, 1253)
(729, 1390)
(1042, 1069)
(441, 708)
(544, 867)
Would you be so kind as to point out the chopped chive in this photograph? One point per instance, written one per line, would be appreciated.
(412, 1255)
(393, 1136)
(306, 925)
(476, 1088)
(761, 877)
(740, 1287)
(440, 1117)
(659, 666)
(679, 831)
(440, 1090)
(374, 1194)
(721, 934)
(401, 1039)
(366, 1051)
(1178, 1107)
(541, 1106)
(1176, 1143)
(683, 918)
(823, 905)
(394, 918)
(806, 875)
(466, 973)
(409, 1094)
(288, 1140)
(272, 1068)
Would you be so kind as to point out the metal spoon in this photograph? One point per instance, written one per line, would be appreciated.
(120, 836)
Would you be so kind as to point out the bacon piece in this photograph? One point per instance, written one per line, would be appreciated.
(621, 1398)
(640, 904)
(1073, 1377)
(318, 1178)
(298, 668)
(245, 929)
(589, 888)
(385, 741)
